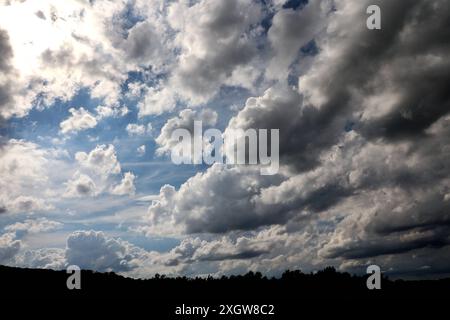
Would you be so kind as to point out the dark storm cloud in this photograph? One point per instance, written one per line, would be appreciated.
(5, 51)
(419, 70)
(419, 215)
(307, 130)
(439, 238)
(244, 255)
(427, 214)
(303, 131)
(6, 94)
(5, 67)
(240, 255)
(410, 30)
(409, 35)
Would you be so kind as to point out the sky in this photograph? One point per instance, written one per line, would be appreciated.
(90, 92)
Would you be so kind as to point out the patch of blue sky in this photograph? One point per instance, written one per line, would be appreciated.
(295, 4)
(41, 125)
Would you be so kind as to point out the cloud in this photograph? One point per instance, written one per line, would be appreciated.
(108, 111)
(46, 258)
(40, 15)
(195, 249)
(290, 31)
(78, 121)
(80, 186)
(135, 129)
(217, 43)
(157, 101)
(27, 176)
(6, 51)
(141, 150)
(270, 250)
(76, 44)
(97, 172)
(92, 250)
(379, 89)
(38, 225)
(95, 251)
(8, 80)
(303, 134)
(126, 186)
(8, 248)
(184, 120)
(146, 45)
(28, 204)
(203, 205)
(101, 160)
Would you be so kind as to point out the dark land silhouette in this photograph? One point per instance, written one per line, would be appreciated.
(292, 285)
(327, 293)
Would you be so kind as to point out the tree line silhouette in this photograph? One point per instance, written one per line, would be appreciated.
(324, 284)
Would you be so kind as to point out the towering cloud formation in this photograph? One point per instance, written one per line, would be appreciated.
(104, 254)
